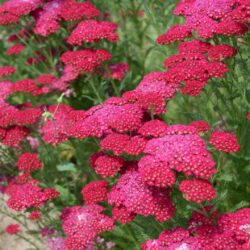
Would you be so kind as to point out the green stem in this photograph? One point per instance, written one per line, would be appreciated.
(29, 241)
(96, 92)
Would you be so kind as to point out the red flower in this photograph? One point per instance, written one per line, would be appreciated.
(23, 178)
(225, 142)
(176, 33)
(15, 49)
(92, 31)
(82, 225)
(72, 10)
(194, 46)
(122, 215)
(115, 142)
(153, 128)
(107, 166)
(193, 87)
(47, 19)
(7, 70)
(201, 126)
(220, 52)
(197, 190)
(94, 192)
(23, 196)
(87, 60)
(28, 162)
(155, 173)
(132, 193)
(169, 237)
(13, 229)
(35, 215)
(181, 150)
(14, 135)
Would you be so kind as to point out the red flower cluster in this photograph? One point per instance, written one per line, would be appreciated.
(179, 150)
(23, 196)
(231, 231)
(122, 215)
(87, 60)
(136, 197)
(201, 126)
(13, 229)
(210, 17)
(152, 92)
(193, 67)
(94, 192)
(82, 225)
(197, 190)
(7, 70)
(91, 31)
(14, 120)
(128, 127)
(15, 49)
(106, 165)
(13, 136)
(122, 143)
(35, 215)
(12, 10)
(225, 142)
(95, 122)
(176, 33)
(29, 161)
(47, 19)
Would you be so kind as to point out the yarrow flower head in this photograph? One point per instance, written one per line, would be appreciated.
(82, 225)
(182, 150)
(197, 190)
(176, 33)
(106, 165)
(29, 161)
(13, 229)
(122, 143)
(23, 196)
(132, 193)
(15, 49)
(201, 126)
(35, 215)
(13, 136)
(86, 60)
(7, 70)
(94, 192)
(220, 52)
(91, 31)
(73, 10)
(12, 10)
(122, 215)
(152, 92)
(154, 128)
(224, 141)
(211, 17)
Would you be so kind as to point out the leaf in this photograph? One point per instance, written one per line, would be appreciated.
(66, 167)
(226, 178)
(65, 195)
